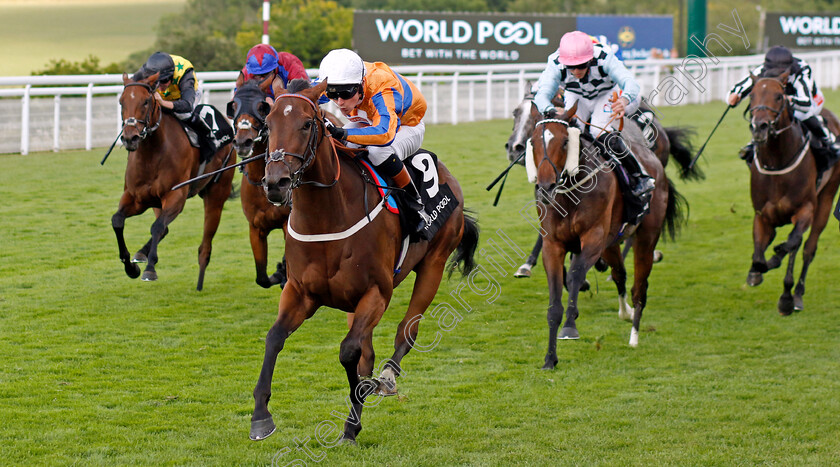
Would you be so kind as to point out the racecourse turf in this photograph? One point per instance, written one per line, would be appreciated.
(101, 369)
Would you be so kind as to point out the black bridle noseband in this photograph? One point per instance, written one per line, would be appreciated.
(315, 134)
(131, 121)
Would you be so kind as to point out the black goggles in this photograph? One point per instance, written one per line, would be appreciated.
(342, 92)
(582, 66)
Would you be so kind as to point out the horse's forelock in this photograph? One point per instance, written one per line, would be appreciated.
(298, 84)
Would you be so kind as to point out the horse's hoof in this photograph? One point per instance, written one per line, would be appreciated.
(139, 258)
(149, 276)
(549, 366)
(774, 262)
(261, 429)
(634, 338)
(568, 333)
(348, 442)
(785, 306)
(657, 256)
(523, 271)
(585, 286)
(754, 278)
(131, 269)
(798, 303)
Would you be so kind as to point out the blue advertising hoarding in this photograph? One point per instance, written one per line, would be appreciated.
(637, 37)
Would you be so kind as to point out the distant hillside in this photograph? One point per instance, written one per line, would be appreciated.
(34, 31)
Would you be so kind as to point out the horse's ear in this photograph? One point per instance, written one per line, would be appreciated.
(263, 108)
(266, 85)
(783, 78)
(231, 109)
(315, 93)
(126, 79)
(240, 80)
(152, 80)
(567, 115)
(753, 77)
(277, 86)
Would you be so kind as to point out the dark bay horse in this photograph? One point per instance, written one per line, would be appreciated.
(583, 215)
(344, 251)
(664, 142)
(159, 157)
(252, 137)
(783, 187)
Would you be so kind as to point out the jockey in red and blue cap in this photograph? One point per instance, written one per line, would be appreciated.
(263, 62)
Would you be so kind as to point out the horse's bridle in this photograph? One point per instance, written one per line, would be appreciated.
(131, 121)
(558, 179)
(785, 107)
(279, 155)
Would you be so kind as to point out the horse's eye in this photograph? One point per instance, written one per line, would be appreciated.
(307, 125)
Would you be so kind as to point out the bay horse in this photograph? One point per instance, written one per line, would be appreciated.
(583, 215)
(783, 187)
(344, 251)
(159, 157)
(251, 135)
(664, 142)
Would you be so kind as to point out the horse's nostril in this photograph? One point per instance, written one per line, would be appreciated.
(519, 147)
(507, 145)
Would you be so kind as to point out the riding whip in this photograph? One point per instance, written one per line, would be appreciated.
(112, 147)
(210, 174)
(693, 161)
(503, 174)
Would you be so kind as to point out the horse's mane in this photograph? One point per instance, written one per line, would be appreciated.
(298, 84)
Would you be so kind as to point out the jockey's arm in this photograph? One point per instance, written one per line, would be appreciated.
(743, 87)
(801, 97)
(547, 86)
(384, 121)
(626, 82)
(184, 105)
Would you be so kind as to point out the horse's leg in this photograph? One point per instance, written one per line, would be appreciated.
(627, 245)
(763, 234)
(578, 267)
(127, 208)
(426, 283)
(259, 246)
(367, 315)
(553, 258)
(642, 264)
(292, 311)
(824, 204)
(615, 259)
(279, 276)
(802, 221)
(171, 206)
(525, 269)
(142, 254)
(214, 201)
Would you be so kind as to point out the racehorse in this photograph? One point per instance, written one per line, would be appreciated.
(251, 136)
(673, 141)
(159, 157)
(783, 187)
(583, 215)
(344, 251)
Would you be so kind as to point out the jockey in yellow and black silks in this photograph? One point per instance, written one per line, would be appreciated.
(177, 88)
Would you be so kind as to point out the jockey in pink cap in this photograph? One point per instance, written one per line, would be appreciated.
(590, 74)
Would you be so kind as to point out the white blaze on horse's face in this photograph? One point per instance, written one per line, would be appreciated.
(547, 136)
(287, 110)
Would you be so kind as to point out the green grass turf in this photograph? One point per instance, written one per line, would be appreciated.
(99, 369)
(33, 34)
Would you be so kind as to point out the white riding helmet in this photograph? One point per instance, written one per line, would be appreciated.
(342, 66)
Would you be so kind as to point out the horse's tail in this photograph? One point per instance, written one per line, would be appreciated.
(683, 151)
(464, 259)
(676, 213)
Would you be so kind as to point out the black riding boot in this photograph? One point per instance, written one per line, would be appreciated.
(640, 182)
(394, 168)
(830, 152)
(747, 153)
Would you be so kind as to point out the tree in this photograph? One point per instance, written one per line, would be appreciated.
(310, 28)
(88, 66)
